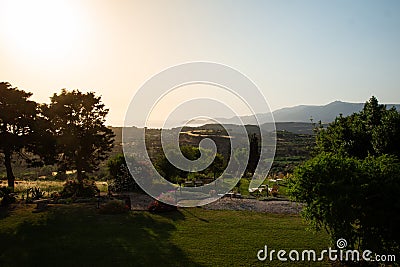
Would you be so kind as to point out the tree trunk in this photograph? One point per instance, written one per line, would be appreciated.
(79, 175)
(10, 174)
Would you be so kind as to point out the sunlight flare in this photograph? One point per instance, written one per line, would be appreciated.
(40, 30)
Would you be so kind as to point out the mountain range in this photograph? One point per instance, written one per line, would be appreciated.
(303, 113)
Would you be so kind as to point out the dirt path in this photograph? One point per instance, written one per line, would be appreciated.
(273, 206)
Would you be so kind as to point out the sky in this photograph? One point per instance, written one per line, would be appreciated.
(296, 52)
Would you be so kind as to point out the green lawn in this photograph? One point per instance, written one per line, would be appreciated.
(77, 235)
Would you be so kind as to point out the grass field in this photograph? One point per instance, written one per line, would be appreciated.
(47, 186)
(77, 235)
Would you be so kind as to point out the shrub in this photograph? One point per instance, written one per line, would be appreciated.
(274, 192)
(73, 188)
(7, 197)
(36, 192)
(355, 199)
(159, 206)
(55, 195)
(114, 207)
(122, 180)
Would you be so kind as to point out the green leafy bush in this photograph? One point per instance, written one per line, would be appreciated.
(351, 186)
(352, 199)
(73, 188)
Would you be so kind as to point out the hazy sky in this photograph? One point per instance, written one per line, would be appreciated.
(297, 52)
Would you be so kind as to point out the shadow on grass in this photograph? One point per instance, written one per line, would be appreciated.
(188, 211)
(175, 215)
(4, 212)
(76, 236)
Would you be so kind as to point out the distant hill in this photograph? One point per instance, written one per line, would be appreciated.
(326, 113)
(303, 113)
(298, 114)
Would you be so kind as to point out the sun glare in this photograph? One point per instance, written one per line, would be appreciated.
(42, 30)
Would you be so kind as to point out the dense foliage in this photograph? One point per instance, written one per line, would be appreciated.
(175, 175)
(352, 198)
(6, 196)
(70, 131)
(74, 188)
(17, 119)
(373, 131)
(351, 185)
(82, 139)
(121, 178)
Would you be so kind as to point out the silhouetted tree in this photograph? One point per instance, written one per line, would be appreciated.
(18, 115)
(254, 155)
(217, 166)
(77, 122)
(42, 142)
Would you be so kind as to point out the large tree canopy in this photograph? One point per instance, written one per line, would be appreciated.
(352, 198)
(350, 187)
(18, 116)
(78, 124)
(373, 131)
